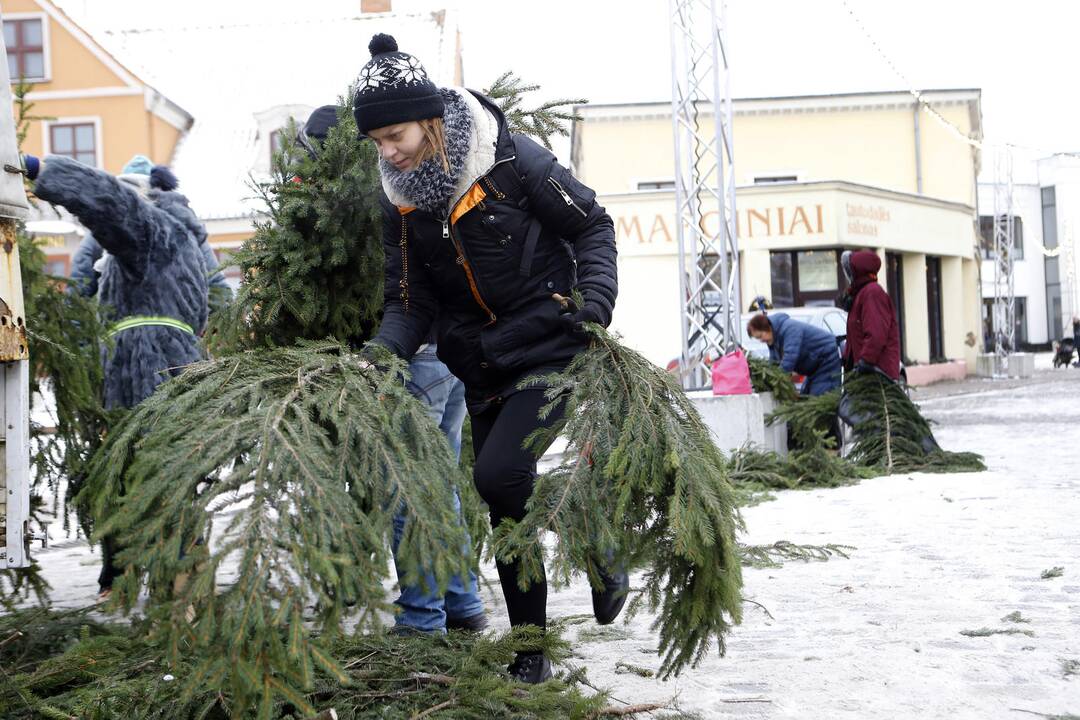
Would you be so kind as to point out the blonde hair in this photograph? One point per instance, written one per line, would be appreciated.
(434, 142)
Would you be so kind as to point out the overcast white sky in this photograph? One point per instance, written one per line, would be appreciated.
(1023, 55)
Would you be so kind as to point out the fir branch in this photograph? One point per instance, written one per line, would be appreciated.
(987, 632)
(542, 122)
(636, 447)
(892, 435)
(322, 448)
(314, 268)
(776, 554)
(116, 671)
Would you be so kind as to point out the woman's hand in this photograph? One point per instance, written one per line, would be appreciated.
(572, 317)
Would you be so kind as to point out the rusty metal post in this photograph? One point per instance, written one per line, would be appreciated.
(14, 359)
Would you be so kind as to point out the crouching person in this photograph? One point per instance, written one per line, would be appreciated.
(800, 348)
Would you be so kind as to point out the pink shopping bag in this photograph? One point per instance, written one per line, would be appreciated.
(731, 375)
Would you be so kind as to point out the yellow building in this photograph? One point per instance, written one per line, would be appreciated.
(95, 109)
(816, 175)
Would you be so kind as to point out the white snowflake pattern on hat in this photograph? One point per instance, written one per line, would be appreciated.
(392, 72)
(409, 70)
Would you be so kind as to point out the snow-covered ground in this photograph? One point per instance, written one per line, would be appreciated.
(876, 635)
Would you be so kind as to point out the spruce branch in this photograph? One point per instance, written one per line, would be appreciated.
(314, 267)
(637, 448)
(320, 448)
(546, 120)
(892, 435)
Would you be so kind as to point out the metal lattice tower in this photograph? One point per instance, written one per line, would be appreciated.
(704, 186)
(1004, 321)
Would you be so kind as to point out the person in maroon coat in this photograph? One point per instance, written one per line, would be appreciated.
(873, 335)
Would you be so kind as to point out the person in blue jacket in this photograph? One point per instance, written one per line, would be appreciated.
(800, 348)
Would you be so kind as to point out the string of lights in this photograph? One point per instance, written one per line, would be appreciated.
(930, 109)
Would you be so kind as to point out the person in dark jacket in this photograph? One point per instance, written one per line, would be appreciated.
(873, 334)
(1076, 339)
(422, 607)
(486, 237)
(800, 348)
(163, 184)
(153, 277)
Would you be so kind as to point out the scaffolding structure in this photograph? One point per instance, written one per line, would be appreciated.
(1004, 320)
(701, 116)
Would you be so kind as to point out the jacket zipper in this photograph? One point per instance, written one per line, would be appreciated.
(462, 258)
(464, 263)
(566, 196)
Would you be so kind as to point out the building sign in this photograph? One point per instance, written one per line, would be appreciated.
(658, 229)
(780, 221)
(865, 220)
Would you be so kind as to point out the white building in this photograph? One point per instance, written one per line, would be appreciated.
(1046, 208)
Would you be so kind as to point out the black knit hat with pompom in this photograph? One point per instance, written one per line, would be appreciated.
(393, 87)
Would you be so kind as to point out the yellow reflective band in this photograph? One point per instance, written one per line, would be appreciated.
(149, 321)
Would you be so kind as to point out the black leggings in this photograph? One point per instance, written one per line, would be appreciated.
(504, 474)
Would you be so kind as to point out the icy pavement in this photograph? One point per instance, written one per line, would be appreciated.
(876, 635)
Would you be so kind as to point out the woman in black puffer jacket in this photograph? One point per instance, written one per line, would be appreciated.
(486, 236)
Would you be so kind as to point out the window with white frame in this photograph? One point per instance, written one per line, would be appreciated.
(76, 140)
(24, 39)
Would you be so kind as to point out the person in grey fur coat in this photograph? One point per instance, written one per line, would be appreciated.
(155, 272)
(84, 277)
(154, 278)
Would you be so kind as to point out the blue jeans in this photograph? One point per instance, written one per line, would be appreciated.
(444, 396)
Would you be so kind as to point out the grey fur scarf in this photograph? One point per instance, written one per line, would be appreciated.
(429, 187)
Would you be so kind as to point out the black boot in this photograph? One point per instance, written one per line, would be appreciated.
(608, 603)
(530, 668)
(473, 623)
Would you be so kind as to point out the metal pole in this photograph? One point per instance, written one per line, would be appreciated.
(708, 260)
(1004, 289)
(678, 50)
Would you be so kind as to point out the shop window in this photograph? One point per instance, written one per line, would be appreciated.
(1019, 322)
(986, 237)
(805, 277)
(25, 43)
(817, 271)
(1051, 264)
(275, 142)
(57, 266)
(783, 280)
(77, 141)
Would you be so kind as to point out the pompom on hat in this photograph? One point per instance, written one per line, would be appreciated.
(393, 88)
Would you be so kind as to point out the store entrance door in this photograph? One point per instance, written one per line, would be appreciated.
(894, 280)
(933, 306)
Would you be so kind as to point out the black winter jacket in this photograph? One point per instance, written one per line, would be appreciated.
(474, 276)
